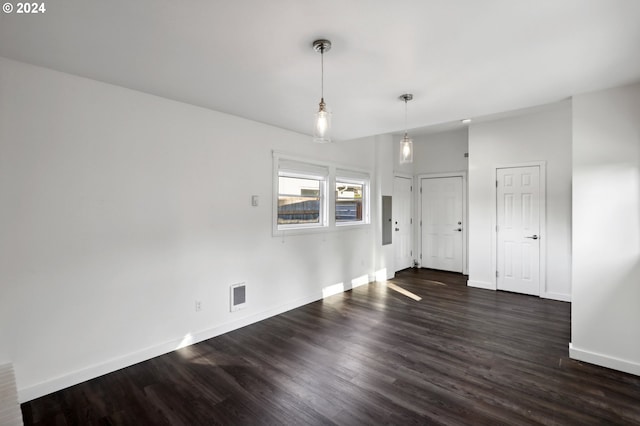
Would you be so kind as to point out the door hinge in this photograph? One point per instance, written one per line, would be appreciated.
(411, 253)
(411, 188)
(421, 190)
(421, 223)
(411, 221)
(496, 184)
(497, 274)
(420, 256)
(496, 228)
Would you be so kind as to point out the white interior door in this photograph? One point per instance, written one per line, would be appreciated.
(518, 228)
(442, 227)
(402, 222)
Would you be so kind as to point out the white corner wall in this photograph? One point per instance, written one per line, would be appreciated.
(606, 229)
(441, 152)
(121, 209)
(540, 135)
(385, 259)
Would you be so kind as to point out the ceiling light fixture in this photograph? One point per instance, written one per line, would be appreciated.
(406, 144)
(322, 127)
(466, 121)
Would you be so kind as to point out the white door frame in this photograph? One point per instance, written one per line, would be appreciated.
(543, 221)
(418, 203)
(411, 210)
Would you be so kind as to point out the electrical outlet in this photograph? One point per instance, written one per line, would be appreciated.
(198, 306)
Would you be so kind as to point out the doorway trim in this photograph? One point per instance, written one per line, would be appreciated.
(412, 212)
(465, 215)
(543, 222)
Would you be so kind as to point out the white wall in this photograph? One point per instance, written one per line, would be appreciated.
(542, 135)
(120, 209)
(385, 257)
(441, 152)
(606, 229)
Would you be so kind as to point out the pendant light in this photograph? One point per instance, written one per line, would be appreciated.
(322, 125)
(406, 144)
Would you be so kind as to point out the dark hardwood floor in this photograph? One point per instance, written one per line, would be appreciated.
(459, 356)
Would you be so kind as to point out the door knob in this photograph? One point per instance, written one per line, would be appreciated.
(397, 229)
(458, 229)
(533, 237)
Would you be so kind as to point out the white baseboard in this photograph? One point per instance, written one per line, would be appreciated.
(604, 360)
(55, 384)
(363, 280)
(383, 274)
(481, 284)
(557, 296)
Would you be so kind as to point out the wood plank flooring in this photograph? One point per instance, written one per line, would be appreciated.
(459, 356)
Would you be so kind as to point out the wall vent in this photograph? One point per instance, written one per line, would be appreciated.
(10, 413)
(238, 296)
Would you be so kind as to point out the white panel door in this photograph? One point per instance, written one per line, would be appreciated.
(402, 222)
(441, 238)
(518, 228)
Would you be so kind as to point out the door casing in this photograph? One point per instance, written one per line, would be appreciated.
(543, 222)
(418, 203)
(410, 232)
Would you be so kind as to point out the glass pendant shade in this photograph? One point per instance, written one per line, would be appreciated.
(406, 144)
(406, 150)
(322, 125)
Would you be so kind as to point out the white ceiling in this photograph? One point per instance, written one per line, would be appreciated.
(253, 58)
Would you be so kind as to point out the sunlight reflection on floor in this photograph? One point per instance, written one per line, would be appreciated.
(404, 292)
(435, 282)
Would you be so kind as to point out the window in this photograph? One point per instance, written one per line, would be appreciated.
(302, 199)
(352, 197)
(301, 190)
(349, 202)
(298, 200)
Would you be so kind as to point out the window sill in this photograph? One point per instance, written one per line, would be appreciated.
(319, 229)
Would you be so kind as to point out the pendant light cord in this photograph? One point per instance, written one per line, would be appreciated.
(406, 129)
(322, 73)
